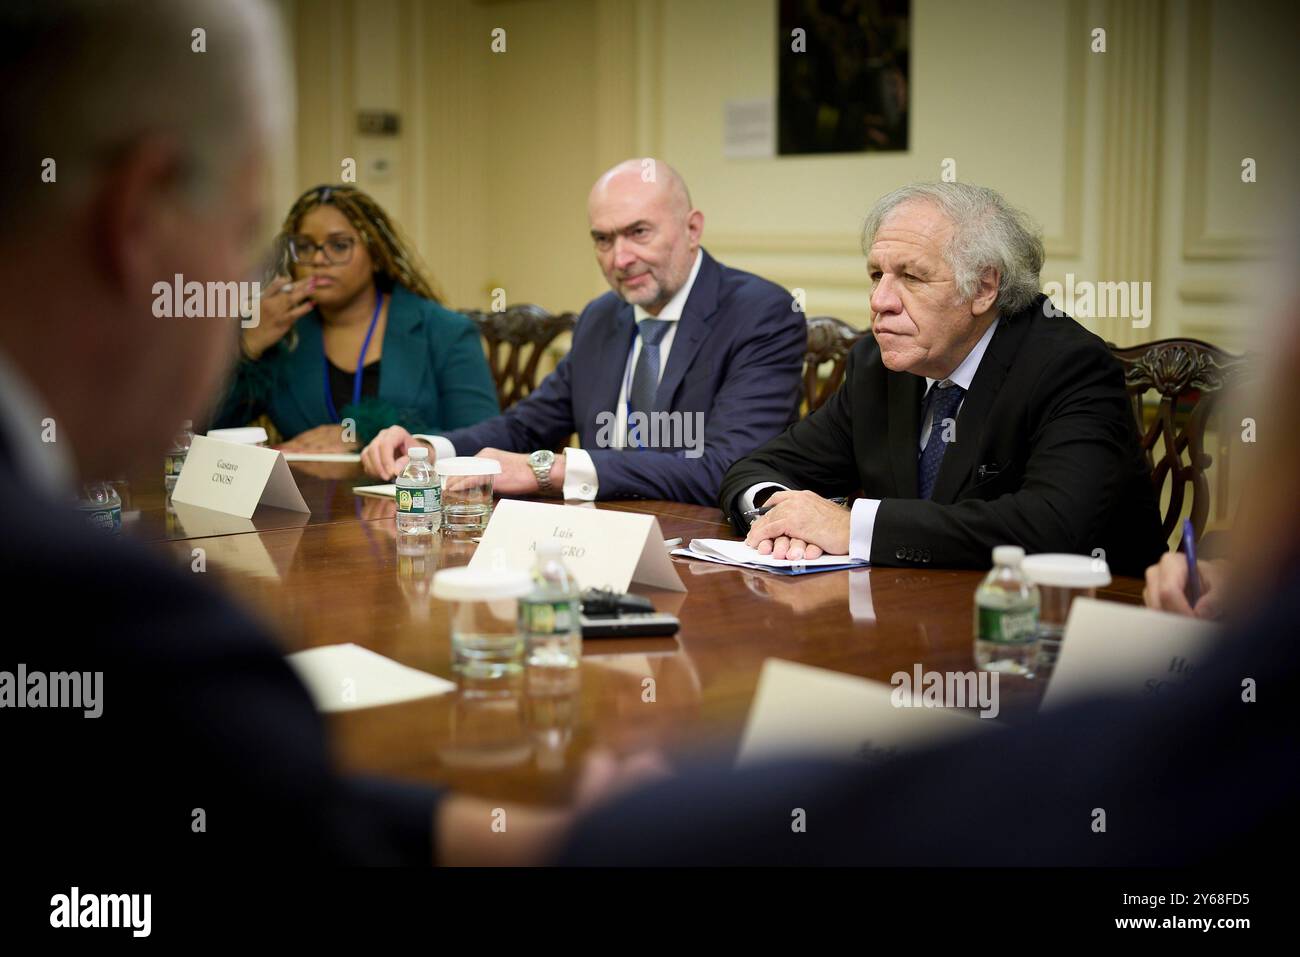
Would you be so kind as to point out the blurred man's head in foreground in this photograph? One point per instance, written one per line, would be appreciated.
(137, 134)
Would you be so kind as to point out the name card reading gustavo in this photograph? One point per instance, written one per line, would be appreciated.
(236, 479)
(603, 549)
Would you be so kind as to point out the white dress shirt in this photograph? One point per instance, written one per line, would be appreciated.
(45, 466)
(862, 522)
(580, 479)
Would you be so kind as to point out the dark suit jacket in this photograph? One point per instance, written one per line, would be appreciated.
(736, 359)
(199, 711)
(1045, 455)
(1192, 775)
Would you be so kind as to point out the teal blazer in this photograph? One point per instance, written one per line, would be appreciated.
(433, 376)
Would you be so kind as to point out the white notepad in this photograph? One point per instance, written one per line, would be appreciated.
(348, 677)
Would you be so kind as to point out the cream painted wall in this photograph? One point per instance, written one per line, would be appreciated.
(796, 219)
(1129, 159)
(542, 154)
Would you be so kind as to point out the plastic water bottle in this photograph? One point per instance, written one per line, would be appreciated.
(419, 495)
(550, 616)
(175, 457)
(101, 507)
(1006, 616)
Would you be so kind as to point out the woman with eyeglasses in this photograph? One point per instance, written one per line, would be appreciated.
(354, 337)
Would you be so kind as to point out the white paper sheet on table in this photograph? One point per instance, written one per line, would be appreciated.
(376, 491)
(321, 456)
(348, 677)
(727, 552)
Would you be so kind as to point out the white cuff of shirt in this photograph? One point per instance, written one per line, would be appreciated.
(442, 448)
(747, 497)
(579, 476)
(862, 525)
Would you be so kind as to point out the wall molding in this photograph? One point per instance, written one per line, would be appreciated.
(1212, 292)
(1198, 243)
(412, 83)
(1130, 186)
(649, 76)
(1069, 245)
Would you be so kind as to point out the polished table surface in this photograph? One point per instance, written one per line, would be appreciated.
(336, 576)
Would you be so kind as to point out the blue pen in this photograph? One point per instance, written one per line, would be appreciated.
(1189, 549)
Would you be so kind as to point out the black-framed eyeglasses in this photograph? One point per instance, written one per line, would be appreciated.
(337, 249)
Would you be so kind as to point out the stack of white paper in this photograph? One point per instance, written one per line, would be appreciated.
(739, 554)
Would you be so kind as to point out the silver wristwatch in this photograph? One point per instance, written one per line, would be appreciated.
(540, 462)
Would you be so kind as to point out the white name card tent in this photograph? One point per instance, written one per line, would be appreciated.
(236, 479)
(807, 712)
(1108, 648)
(603, 548)
(1125, 650)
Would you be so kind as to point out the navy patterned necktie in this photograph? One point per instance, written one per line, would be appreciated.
(645, 378)
(944, 404)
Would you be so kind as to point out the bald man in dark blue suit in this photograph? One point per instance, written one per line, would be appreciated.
(706, 358)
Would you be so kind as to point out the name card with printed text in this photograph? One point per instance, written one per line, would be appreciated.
(803, 711)
(1126, 650)
(236, 479)
(603, 548)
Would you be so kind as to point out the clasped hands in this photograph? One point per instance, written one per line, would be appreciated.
(802, 525)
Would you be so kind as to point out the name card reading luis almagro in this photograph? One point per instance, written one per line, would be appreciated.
(235, 479)
(603, 549)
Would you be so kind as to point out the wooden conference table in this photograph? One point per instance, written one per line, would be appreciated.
(336, 576)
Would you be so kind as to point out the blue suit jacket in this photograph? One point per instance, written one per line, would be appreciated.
(736, 358)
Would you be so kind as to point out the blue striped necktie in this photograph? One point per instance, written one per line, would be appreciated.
(645, 378)
(943, 402)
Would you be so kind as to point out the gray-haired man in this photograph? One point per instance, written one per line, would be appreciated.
(206, 748)
(971, 417)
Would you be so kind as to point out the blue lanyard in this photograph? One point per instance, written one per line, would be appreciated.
(356, 376)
